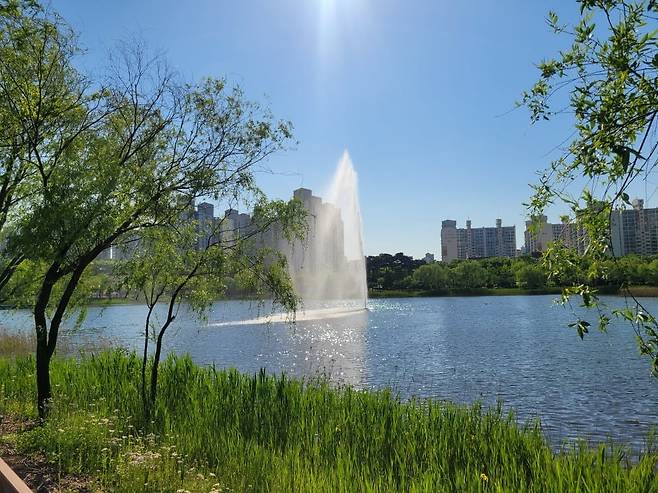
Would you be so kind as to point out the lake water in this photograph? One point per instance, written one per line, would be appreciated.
(517, 349)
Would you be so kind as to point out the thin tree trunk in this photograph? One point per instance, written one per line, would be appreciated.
(43, 378)
(156, 359)
(43, 353)
(47, 336)
(145, 359)
(170, 318)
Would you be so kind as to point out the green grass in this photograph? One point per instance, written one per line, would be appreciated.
(639, 291)
(411, 293)
(225, 431)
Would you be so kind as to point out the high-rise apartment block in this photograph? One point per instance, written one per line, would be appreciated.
(472, 243)
(634, 231)
(539, 234)
(205, 217)
(324, 246)
(318, 264)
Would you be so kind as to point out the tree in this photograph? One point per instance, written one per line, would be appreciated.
(41, 96)
(468, 274)
(499, 272)
(131, 152)
(433, 277)
(530, 276)
(609, 73)
(652, 273)
(188, 264)
(387, 271)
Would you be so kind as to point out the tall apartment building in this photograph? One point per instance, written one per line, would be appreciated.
(318, 264)
(323, 249)
(226, 229)
(539, 234)
(205, 216)
(210, 229)
(325, 244)
(449, 247)
(634, 230)
(471, 243)
(234, 225)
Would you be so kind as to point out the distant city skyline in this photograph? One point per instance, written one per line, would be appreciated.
(426, 112)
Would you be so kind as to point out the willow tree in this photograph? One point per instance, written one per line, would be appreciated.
(191, 265)
(610, 76)
(44, 105)
(118, 161)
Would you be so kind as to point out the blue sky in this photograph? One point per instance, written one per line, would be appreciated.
(419, 91)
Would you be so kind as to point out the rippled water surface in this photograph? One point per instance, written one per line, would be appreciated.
(511, 348)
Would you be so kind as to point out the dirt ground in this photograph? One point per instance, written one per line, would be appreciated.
(37, 473)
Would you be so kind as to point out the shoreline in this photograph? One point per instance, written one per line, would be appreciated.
(638, 291)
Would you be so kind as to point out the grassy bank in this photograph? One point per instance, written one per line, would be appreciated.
(224, 431)
(400, 293)
(639, 291)
(644, 291)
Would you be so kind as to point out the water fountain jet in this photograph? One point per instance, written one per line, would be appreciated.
(328, 268)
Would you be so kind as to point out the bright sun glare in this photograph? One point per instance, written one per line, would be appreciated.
(335, 17)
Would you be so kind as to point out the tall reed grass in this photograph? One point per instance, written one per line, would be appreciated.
(16, 344)
(224, 431)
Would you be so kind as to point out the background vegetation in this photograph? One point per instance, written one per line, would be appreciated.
(402, 273)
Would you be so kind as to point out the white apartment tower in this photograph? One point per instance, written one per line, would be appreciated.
(634, 231)
(539, 234)
(472, 243)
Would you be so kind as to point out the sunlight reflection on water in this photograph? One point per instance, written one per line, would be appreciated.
(516, 349)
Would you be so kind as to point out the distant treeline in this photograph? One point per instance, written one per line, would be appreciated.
(401, 272)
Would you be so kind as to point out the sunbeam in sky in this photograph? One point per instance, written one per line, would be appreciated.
(336, 20)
